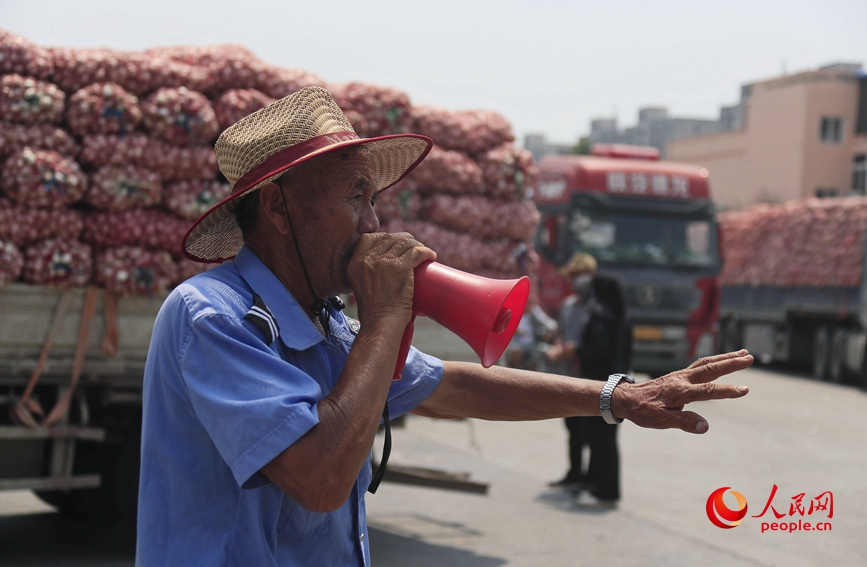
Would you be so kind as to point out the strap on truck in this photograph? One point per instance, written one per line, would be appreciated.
(23, 411)
(26, 411)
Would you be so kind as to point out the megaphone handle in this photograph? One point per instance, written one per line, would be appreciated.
(405, 343)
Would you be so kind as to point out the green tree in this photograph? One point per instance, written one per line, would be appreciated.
(583, 146)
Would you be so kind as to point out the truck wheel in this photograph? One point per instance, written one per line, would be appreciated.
(836, 368)
(65, 502)
(125, 485)
(821, 353)
(91, 503)
(116, 498)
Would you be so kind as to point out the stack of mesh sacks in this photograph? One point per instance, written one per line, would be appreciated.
(809, 243)
(469, 200)
(106, 158)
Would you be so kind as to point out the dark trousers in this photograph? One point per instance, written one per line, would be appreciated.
(602, 475)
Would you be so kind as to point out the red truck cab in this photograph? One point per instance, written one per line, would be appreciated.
(651, 224)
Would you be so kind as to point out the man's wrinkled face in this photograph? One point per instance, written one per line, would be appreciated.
(332, 204)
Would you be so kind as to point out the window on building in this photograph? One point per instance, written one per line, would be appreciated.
(825, 192)
(831, 130)
(861, 125)
(859, 174)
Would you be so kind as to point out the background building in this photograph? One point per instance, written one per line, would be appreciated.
(801, 135)
(655, 128)
(537, 145)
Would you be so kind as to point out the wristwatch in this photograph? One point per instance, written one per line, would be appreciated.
(605, 398)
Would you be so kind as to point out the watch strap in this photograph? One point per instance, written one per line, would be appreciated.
(605, 397)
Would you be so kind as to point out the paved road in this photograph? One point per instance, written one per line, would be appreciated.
(805, 437)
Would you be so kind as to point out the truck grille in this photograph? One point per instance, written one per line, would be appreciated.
(654, 296)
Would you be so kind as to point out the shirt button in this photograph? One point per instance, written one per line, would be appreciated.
(362, 537)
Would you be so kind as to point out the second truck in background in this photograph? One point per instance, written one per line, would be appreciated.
(794, 288)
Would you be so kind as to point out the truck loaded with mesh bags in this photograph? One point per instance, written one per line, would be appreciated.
(650, 224)
(793, 285)
(106, 158)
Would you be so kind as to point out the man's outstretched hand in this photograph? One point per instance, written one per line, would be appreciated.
(658, 404)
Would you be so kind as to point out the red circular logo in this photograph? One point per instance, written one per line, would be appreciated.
(721, 515)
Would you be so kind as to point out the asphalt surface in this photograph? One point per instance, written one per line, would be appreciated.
(804, 436)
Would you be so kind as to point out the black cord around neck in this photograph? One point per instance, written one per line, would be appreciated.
(320, 309)
(386, 451)
(318, 306)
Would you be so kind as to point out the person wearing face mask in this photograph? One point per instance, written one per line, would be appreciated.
(605, 350)
(573, 318)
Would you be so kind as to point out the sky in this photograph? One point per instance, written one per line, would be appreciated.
(549, 66)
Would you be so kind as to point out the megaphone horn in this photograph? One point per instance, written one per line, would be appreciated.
(484, 312)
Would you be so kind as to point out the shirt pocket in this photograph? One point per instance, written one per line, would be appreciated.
(297, 522)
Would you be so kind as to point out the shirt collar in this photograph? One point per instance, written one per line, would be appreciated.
(297, 330)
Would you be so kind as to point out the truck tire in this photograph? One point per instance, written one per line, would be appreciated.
(91, 503)
(116, 499)
(821, 353)
(125, 487)
(64, 501)
(837, 361)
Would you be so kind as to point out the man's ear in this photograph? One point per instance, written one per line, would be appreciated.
(271, 207)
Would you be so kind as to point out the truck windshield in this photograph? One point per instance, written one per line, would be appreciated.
(644, 239)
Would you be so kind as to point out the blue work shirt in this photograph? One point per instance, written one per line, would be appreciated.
(220, 403)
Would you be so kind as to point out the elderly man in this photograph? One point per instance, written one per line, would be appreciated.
(262, 399)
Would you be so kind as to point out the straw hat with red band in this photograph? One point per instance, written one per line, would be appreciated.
(262, 146)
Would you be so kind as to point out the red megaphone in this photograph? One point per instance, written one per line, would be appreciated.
(483, 312)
